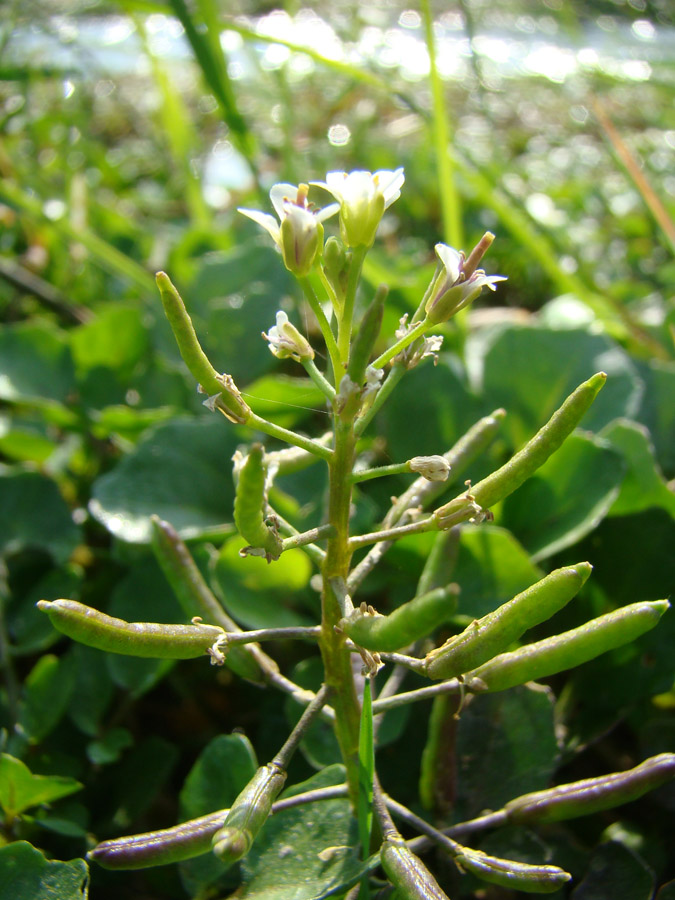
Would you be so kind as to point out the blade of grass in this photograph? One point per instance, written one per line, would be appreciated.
(440, 134)
(210, 58)
(613, 314)
(638, 177)
(177, 127)
(109, 257)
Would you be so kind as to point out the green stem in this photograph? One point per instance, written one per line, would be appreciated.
(407, 339)
(319, 380)
(381, 471)
(324, 325)
(387, 534)
(345, 326)
(336, 657)
(299, 632)
(290, 437)
(307, 537)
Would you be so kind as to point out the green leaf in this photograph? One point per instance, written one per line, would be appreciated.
(284, 400)
(180, 470)
(505, 746)
(666, 891)
(26, 874)
(615, 873)
(305, 853)
(567, 498)
(109, 748)
(36, 365)
(116, 339)
(20, 789)
(256, 593)
(34, 514)
(492, 567)
(30, 633)
(529, 371)
(133, 784)
(657, 410)
(429, 410)
(221, 772)
(47, 692)
(644, 485)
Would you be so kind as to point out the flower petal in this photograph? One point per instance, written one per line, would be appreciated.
(269, 223)
(281, 192)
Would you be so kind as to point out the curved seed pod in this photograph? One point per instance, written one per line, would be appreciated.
(228, 399)
(485, 638)
(405, 625)
(147, 639)
(195, 596)
(408, 874)
(248, 814)
(248, 507)
(527, 460)
(572, 648)
(514, 875)
(368, 333)
(580, 798)
(159, 848)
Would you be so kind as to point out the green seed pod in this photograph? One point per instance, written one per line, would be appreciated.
(405, 625)
(368, 333)
(572, 648)
(195, 596)
(527, 460)
(408, 874)
(159, 848)
(248, 814)
(228, 400)
(580, 798)
(510, 874)
(146, 639)
(248, 508)
(485, 638)
(514, 875)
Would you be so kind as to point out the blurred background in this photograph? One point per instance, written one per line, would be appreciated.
(129, 134)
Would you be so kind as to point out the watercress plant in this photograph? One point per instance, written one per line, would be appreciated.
(364, 367)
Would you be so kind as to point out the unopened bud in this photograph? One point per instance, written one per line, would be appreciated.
(433, 468)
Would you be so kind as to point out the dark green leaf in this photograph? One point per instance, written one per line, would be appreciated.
(529, 371)
(492, 567)
(34, 514)
(615, 873)
(306, 853)
(180, 471)
(36, 365)
(505, 746)
(26, 874)
(567, 498)
(644, 485)
(47, 692)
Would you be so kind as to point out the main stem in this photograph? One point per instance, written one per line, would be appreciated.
(336, 658)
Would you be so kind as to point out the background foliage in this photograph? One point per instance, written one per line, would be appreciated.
(129, 133)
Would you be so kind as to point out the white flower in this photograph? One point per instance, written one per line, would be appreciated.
(452, 288)
(285, 340)
(363, 198)
(299, 232)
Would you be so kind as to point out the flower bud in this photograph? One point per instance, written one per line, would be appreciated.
(433, 468)
(457, 282)
(300, 239)
(336, 265)
(285, 340)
